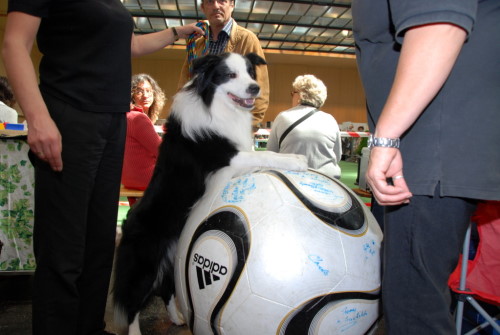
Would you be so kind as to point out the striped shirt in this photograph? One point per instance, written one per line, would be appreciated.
(217, 47)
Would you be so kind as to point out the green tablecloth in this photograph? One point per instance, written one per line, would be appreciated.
(16, 206)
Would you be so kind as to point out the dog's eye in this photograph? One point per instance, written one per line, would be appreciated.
(232, 75)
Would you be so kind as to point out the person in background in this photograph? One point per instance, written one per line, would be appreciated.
(77, 128)
(7, 101)
(358, 143)
(141, 146)
(362, 142)
(347, 150)
(430, 71)
(317, 137)
(227, 36)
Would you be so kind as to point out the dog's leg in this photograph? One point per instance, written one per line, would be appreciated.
(133, 284)
(133, 328)
(174, 312)
(269, 159)
(165, 285)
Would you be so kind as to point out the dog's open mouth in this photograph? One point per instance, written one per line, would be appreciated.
(245, 103)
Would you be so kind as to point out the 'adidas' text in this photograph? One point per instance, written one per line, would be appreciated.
(208, 265)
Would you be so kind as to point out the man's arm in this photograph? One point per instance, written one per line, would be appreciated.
(427, 57)
(262, 102)
(149, 43)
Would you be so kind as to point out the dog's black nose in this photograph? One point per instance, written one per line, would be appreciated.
(253, 89)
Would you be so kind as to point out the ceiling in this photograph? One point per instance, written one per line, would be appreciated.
(307, 26)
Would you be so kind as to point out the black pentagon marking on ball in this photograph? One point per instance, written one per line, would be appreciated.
(300, 321)
(234, 226)
(353, 219)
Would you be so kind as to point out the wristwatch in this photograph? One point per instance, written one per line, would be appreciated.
(176, 35)
(383, 142)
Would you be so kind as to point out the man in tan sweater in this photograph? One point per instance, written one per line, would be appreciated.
(227, 36)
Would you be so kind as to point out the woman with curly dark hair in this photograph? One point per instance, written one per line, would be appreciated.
(147, 96)
(141, 148)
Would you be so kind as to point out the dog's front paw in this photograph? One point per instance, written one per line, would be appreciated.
(174, 312)
(297, 162)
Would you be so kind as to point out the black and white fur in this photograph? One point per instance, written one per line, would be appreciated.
(208, 138)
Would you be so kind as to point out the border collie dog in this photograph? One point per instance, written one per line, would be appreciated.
(208, 133)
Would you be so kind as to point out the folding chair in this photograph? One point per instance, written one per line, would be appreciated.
(479, 278)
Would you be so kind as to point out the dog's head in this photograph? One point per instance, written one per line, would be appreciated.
(230, 75)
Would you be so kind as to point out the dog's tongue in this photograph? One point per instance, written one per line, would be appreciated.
(246, 103)
(249, 102)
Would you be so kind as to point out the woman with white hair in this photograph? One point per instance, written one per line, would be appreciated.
(306, 130)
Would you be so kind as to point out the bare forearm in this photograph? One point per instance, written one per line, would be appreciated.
(44, 138)
(19, 67)
(149, 43)
(427, 57)
(23, 80)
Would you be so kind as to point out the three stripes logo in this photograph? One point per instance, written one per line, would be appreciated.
(205, 278)
(208, 271)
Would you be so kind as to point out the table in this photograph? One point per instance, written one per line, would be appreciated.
(16, 206)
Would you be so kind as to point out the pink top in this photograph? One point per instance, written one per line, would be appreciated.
(141, 151)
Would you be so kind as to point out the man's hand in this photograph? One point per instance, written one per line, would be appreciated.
(386, 164)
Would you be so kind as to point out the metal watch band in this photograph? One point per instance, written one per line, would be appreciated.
(383, 142)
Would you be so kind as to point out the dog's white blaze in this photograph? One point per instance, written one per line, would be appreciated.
(240, 84)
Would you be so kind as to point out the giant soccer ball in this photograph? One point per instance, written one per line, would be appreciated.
(280, 252)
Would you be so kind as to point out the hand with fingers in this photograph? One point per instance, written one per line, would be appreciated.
(386, 164)
(44, 140)
(190, 29)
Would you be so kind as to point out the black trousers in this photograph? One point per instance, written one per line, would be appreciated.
(75, 221)
(422, 243)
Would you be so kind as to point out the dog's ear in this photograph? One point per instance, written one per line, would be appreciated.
(203, 76)
(202, 64)
(255, 59)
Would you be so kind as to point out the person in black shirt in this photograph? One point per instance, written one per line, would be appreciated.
(430, 70)
(76, 117)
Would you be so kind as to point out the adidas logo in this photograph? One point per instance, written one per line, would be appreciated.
(205, 278)
(207, 271)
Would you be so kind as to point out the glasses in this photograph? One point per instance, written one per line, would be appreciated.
(140, 91)
(220, 2)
